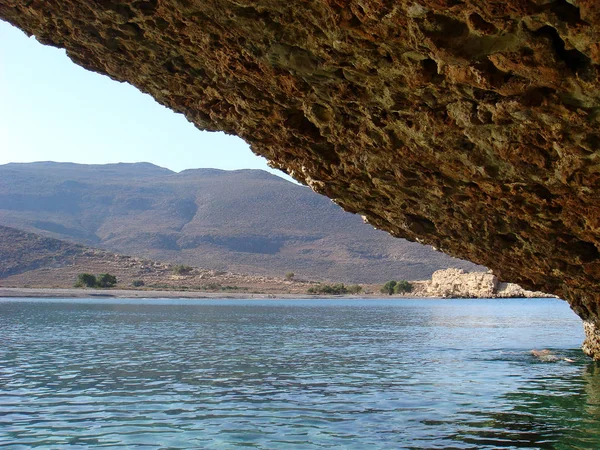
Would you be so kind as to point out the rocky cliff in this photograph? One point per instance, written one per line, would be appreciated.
(456, 283)
(467, 125)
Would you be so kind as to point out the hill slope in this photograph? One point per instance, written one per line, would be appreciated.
(31, 260)
(22, 252)
(243, 221)
(28, 259)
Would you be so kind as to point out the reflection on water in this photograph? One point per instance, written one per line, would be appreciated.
(302, 374)
(555, 407)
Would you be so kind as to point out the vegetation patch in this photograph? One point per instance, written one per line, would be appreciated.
(335, 289)
(86, 280)
(104, 280)
(397, 287)
(182, 269)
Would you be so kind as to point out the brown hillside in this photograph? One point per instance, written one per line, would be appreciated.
(30, 260)
(245, 221)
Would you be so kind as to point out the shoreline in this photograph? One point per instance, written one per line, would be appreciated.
(134, 293)
(158, 294)
(12, 292)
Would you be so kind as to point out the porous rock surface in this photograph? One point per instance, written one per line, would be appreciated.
(456, 283)
(468, 125)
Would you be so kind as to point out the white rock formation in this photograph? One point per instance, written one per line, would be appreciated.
(449, 283)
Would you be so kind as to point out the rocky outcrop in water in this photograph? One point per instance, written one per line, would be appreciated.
(456, 283)
(471, 126)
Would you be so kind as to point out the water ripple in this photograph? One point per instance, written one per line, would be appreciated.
(353, 375)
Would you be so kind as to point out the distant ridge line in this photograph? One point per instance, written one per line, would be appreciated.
(243, 221)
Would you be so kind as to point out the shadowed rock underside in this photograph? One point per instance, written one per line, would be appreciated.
(470, 126)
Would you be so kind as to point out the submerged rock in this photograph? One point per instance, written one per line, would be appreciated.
(471, 126)
(545, 355)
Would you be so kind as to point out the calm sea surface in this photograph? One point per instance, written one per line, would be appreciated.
(302, 374)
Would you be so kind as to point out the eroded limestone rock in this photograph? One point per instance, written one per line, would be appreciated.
(456, 283)
(468, 125)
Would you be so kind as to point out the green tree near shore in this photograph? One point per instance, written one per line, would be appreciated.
(355, 289)
(397, 287)
(403, 287)
(104, 280)
(86, 280)
(388, 288)
(335, 289)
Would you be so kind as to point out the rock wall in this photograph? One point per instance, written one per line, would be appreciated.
(457, 283)
(471, 126)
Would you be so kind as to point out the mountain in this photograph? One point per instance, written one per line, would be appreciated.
(247, 221)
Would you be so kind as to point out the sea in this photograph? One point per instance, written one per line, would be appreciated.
(300, 374)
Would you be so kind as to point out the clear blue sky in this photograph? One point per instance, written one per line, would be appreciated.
(54, 110)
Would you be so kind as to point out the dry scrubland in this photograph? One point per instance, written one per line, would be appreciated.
(32, 261)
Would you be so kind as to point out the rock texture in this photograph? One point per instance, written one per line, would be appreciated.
(471, 126)
(455, 283)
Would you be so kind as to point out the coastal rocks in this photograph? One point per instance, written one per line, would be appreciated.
(511, 290)
(591, 345)
(470, 126)
(455, 283)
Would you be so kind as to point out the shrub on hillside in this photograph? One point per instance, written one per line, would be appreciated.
(86, 280)
(137, 283)
(182, 269)
(106, 280)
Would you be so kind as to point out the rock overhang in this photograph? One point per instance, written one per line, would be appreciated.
(470, 126)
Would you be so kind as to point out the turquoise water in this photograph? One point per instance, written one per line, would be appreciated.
(302, 374)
